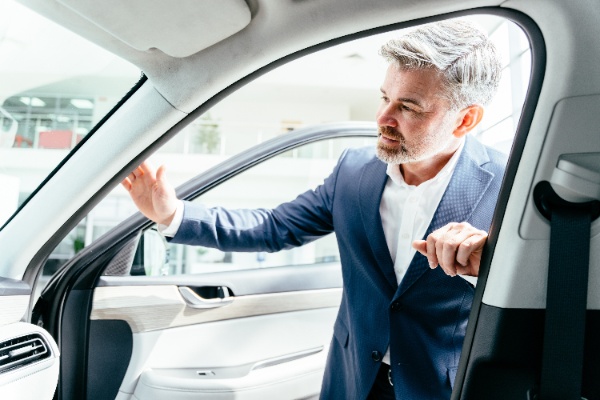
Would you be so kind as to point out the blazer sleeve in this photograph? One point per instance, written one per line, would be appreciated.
(289, 225)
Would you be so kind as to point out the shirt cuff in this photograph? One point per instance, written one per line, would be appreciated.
(171, 229)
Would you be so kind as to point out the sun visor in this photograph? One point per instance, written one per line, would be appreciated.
(178, 28)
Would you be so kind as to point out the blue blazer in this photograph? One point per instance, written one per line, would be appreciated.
(423, 319)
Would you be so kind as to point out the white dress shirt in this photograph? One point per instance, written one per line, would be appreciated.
(406, 212)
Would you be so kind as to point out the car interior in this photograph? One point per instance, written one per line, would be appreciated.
(131, 316)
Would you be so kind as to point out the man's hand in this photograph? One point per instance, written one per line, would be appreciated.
(151, 193)
(456, 247)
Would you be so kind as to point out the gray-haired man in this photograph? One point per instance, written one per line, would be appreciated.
(402, 320)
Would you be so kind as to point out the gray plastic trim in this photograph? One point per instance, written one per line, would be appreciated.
(246, 282)
(13, 287)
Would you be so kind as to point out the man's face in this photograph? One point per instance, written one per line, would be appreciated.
(415, 123)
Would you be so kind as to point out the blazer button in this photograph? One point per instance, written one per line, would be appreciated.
(396, 306)
(376, 356)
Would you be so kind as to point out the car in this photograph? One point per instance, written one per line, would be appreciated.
(96, 304)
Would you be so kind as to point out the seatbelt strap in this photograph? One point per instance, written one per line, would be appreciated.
(566, 304)
(566, 296)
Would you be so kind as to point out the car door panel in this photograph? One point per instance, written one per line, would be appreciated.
(243, 282)
(299, 379)
(271, 329)
(229, 358)
(266, 337)
(162, 307)
(270, 336)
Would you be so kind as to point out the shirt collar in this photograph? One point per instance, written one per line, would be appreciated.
(393, 170)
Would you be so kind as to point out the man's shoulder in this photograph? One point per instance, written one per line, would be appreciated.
(354, 162)
(486, 154)
(359, 155)
(364, 151)
(497, 157)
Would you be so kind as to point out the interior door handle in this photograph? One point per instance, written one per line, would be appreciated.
(193, 300)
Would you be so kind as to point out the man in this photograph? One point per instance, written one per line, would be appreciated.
(402, 320)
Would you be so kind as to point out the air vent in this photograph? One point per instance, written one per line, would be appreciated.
(22, 351)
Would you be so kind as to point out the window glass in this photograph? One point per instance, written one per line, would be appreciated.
(51, 96)
(266, 185)
(499, 124)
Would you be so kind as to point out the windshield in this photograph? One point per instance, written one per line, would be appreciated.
(55, 87)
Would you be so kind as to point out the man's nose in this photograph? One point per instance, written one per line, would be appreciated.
(385, 116)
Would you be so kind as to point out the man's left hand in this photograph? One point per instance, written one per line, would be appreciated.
(455, 247)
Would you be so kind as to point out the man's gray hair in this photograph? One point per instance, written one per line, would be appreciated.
(459, 50)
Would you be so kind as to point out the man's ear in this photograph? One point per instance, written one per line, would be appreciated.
(468, 119)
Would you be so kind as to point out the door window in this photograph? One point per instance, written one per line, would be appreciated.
(266, 185)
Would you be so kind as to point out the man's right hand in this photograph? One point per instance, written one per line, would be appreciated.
(151, 193)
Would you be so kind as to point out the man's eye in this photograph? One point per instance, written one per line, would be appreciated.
(406, 108)
(385, 99)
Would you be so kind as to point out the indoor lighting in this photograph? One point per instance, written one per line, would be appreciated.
(32, 101)
(82, 103)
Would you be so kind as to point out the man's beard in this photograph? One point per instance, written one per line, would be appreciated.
(393, 155)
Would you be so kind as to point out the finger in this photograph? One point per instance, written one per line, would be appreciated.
(467, 271)
(126, 184)
(431, 258)
(459, 237)
(437, 250)
(161, 185)
(469, 246)
(447, 254)
(147, 168)
(420, 246)
(432, 242)
(161, 174)
(450, 243)
(137, 173)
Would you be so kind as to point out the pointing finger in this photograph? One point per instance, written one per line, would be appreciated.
(420, 246)
(471, 245)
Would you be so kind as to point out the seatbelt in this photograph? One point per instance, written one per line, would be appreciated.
(566, 296)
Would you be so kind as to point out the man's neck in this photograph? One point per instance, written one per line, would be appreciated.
(422, 171)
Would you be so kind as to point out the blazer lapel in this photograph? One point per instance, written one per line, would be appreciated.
(465, 190)
(371, 186)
